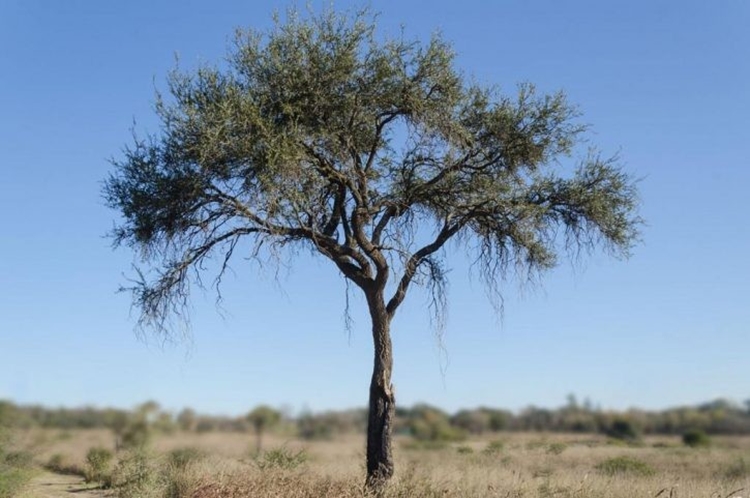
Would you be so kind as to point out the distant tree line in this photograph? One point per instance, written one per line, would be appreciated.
(423, 422)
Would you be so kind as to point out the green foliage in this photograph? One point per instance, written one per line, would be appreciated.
(280, 148)
(427, 423)
(281, 458)
(625, 465)
(12, 480)
(465, 450)
(262, 418)
(15, 468)
(99, 466)
(623, 430)
(696, 438)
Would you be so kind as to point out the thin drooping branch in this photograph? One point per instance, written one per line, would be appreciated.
(448, 231)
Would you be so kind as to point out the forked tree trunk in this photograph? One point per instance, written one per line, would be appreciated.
(382, 400)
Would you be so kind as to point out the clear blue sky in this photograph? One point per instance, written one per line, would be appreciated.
(664, 83)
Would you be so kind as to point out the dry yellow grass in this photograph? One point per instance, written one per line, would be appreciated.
(521, 465)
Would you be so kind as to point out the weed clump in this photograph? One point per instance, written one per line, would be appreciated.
(624, 465)
(281, 458)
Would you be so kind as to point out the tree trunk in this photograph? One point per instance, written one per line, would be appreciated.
(258, 440)
(382, 400)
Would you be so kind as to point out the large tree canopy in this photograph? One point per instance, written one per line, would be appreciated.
(371, 152)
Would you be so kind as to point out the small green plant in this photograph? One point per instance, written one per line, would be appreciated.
(493, 448)
(465, 450)
(98, 466)
(281, 458)
(696, 438)
(625, 465)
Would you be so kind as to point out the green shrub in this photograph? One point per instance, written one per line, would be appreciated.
(98, 466)
(625, 465)
(12, 480)
(465, 450)
(623, 430)
(137, 475)
(696, 438)
(19, 459)
(281, 458)
(15, 471)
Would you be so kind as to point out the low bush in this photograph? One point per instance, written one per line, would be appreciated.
(696, 438)
(137, 475)
(623, 430)
(99, 466)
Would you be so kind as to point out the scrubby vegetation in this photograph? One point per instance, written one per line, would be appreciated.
(15, 467)
(134, 428)
(325, 458)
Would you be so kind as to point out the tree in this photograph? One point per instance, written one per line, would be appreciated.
(262, 418)
(372, 153)
(187, 419)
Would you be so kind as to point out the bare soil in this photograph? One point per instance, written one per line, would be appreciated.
(51, 485)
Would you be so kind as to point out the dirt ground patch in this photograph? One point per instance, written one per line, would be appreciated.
(50, 485)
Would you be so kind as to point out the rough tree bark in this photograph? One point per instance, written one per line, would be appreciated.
(382, 400)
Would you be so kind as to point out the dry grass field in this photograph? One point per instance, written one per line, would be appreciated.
(507, 465)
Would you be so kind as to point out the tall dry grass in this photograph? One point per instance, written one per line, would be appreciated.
(506, 465)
